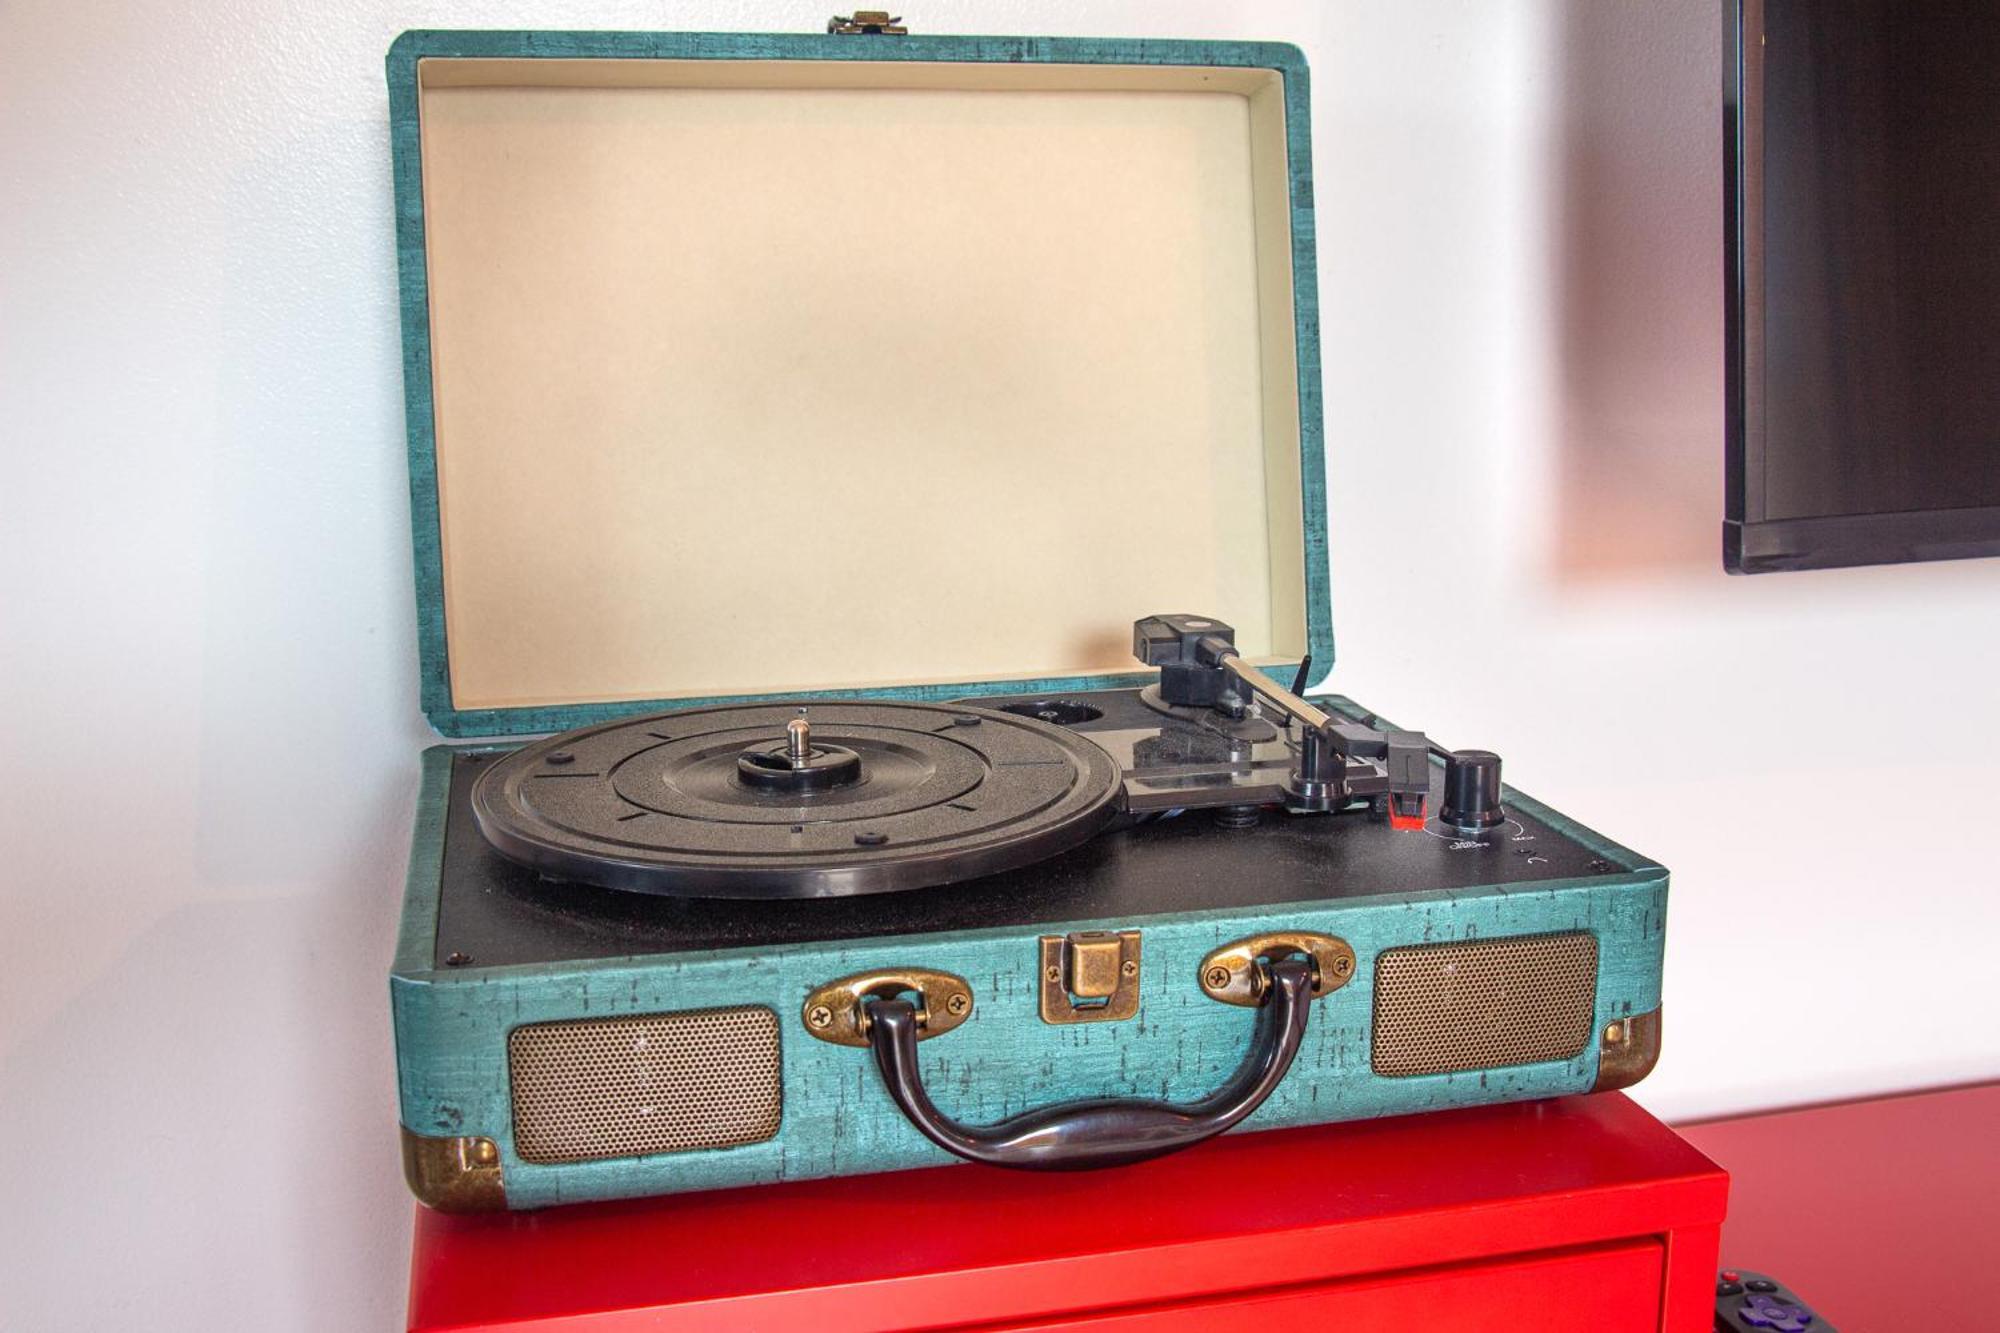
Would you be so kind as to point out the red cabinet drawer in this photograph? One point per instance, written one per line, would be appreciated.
(1607, 1288)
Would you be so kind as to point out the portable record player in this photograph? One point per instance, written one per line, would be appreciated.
(892, 465)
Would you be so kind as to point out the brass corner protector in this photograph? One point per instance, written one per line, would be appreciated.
(454, 1175)
(1627, 1050)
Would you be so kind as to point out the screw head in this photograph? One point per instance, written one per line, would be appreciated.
(1217, 977)
(957, 1002)
(1054, 973)
(457, 959)
(1343, 965)
(1614, 1032)
(1128, 968)
(819, 1016)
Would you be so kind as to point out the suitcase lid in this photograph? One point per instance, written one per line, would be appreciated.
(756, 366)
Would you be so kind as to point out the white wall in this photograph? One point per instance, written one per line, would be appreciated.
(209, 670)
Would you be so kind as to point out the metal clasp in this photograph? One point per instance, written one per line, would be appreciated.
(1235, 973)
(1090, 976)
(874, 22)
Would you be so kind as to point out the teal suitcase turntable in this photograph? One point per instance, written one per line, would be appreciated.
(812, 430)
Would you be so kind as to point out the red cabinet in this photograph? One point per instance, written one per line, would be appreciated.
(1584, 1211)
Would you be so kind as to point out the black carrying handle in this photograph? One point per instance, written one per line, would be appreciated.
(1072, 1136)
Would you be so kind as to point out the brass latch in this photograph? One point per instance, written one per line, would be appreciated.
(1090, 976)
(875, 22)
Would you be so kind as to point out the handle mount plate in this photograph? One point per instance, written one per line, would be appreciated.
(1234, 974)
(838, 1012)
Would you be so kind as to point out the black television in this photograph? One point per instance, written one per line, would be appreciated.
(1863, 220)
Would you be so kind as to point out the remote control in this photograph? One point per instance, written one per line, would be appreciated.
(1747, 1302)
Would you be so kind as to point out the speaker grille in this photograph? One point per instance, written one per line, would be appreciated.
(1483, 1004)
(588, 1089)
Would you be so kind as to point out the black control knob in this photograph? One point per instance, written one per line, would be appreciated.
(1472, 790)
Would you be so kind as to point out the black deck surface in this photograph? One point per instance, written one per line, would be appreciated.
(494, 912)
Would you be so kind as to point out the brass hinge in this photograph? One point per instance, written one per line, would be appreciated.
(874, 22)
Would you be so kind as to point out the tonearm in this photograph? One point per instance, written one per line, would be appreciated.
(1200, 667)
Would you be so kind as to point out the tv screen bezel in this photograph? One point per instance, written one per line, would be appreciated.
(1752, 542)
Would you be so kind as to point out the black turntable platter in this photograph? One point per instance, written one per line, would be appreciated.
(797, 800)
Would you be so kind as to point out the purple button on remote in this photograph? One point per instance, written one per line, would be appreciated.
(1762, 1311)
